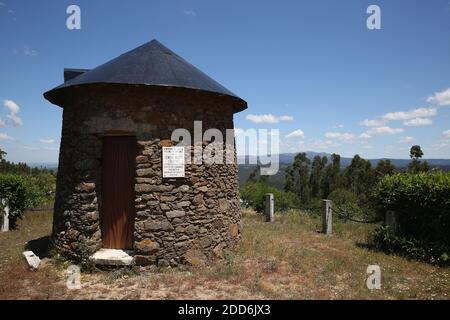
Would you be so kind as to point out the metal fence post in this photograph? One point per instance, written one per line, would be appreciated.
(327, 217)
(269, 211)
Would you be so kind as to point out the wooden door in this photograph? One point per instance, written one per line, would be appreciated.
(118, 211)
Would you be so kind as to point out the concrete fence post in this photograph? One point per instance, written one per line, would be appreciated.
(269, 210)
(327, 217)
(390, 220)
(4, 215)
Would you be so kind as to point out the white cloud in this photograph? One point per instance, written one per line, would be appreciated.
(414, 117)
(446, 133)
(440, 98)
(340, 136)
(338, 126)
(191, 13)
(296, 134)
(411, 114)
(416, 122)
(322, 145)
(373, 123)
(47, 141)
(50, 148)
(17, 121)
(406, 139)
(4, 137)
(30, 148)
(385, 130)
(2, 123)
(267, 118)
(27, 51)
(11, 106)
(13, 111)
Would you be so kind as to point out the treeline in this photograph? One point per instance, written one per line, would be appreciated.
(308, 181)
(24, 187)
(418, 195)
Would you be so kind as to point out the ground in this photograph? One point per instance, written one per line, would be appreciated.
(287, 259)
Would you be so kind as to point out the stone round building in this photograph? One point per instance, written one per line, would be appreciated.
(111, 192)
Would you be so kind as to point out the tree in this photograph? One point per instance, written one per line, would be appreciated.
(290, 180)
(359, 175)
(301, 165)
(384, 167)
(255, 176)
(416, 152)
(331, 180)
(317, 174)
(415, 165)
(2, 155)
(298, 176)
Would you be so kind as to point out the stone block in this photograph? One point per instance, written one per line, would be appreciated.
(147, 246)
(175, 214)
(32, 260)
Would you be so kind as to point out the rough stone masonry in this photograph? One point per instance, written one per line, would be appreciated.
(178, 220)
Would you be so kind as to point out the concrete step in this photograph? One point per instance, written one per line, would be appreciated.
(112, 257)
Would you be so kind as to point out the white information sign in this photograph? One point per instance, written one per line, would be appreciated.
(173, 162)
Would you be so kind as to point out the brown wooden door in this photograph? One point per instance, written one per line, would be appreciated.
(118, 212)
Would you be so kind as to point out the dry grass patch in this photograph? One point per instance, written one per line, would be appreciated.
(287, 259)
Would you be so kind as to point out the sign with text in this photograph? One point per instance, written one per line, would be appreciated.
(173, 162)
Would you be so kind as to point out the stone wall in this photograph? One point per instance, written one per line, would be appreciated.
(182, 220)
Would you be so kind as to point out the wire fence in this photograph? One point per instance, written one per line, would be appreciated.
(342, 213)
(347, 215)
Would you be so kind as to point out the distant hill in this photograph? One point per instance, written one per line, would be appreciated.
(44, 165)
(288, 158)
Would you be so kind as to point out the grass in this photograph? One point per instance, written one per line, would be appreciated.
(287, 259)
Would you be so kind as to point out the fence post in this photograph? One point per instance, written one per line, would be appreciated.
(327, 217)
(390, 220)
(269, 208)
(4, 214)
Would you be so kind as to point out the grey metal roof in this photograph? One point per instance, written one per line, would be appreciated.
(151, 64)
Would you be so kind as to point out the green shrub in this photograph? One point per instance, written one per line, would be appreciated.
(25, 191)
(14, 188)
(422, 201)
(254, 194)
(384, 240)
(347, 203)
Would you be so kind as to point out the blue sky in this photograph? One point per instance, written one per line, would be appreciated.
(309, 68)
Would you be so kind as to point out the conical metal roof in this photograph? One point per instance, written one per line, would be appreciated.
(151, 64)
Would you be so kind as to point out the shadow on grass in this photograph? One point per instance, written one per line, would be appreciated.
(41, 246)
(368, 246)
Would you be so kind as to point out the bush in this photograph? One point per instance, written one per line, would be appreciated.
(14, 188)
(254, 194)
(384, 240)
(356, 206)
(422, 201)
(25, 191)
